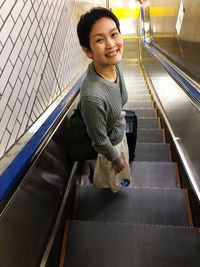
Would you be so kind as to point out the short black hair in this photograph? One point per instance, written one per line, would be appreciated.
(88, 19)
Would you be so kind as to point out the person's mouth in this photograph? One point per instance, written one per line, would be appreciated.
(112, 53)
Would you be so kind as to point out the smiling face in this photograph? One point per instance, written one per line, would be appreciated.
(106, 44)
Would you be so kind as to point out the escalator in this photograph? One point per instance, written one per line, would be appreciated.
(148, 223)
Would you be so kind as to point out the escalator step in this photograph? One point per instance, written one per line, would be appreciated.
(154, 174)
(150, 136)
(152, 152)
(139, 97)
(105, 244)
(134, 78)
(143, 90)
(130, 54)
(136, 87)
(145, 112)
(133, 74)
(138, 104)
(130, 60)
(148, 122)
(131, 68)
(132, 205)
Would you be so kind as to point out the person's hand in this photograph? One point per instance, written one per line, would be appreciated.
(120, 164)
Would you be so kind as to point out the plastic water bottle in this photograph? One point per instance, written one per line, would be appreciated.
(124, 182)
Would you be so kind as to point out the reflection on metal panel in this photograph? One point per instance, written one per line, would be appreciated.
(180, 18)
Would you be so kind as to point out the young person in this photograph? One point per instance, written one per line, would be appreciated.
(103, 92)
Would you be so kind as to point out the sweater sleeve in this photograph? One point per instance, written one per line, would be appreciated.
(95, 118)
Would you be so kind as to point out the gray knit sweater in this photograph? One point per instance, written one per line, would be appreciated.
(101, 104)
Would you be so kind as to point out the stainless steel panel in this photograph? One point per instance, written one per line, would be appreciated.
(163, 16)
(181, 47)
(182, 114)
(27, 221)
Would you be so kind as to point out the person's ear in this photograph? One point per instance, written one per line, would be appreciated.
(88, 52)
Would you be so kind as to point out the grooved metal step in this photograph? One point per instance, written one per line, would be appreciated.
(150, 136)
(148, 122)
(139, 97)
(152, 152)
(110, 244)
(135, 205)
(129, 68)
(154, 174)
(138, 104)
(130, 78)
(130, 60)
(131, 90)
(145, 112)
(137, 89)
(133, 77)
(135, 71)
(134, 74)
(130, 53)
(135, 83)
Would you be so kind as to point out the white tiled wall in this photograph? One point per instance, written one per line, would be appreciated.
(39, 56)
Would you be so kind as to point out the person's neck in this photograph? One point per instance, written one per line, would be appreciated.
(108, 73)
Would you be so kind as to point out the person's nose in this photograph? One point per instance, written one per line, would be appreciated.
(109, 42)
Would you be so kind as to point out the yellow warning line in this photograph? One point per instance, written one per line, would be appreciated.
(123, 13)
(164, 11)
(163, 35)
(155, 11)
(130, 37)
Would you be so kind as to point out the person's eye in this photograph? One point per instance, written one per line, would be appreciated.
(99, 40)
(114, 34)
